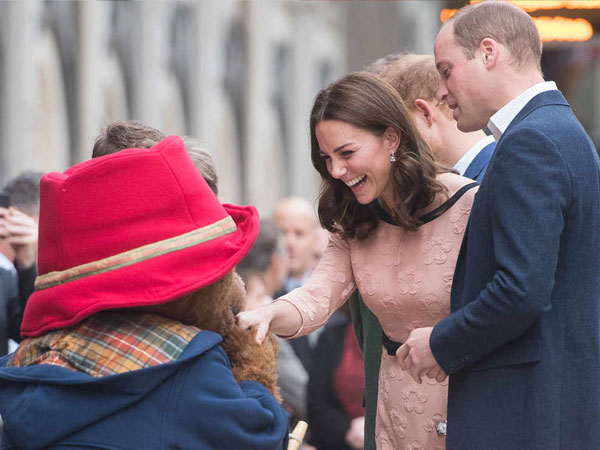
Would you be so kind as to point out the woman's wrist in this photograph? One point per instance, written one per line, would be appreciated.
(285, 319)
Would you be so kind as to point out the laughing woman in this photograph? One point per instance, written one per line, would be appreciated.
(397, 220)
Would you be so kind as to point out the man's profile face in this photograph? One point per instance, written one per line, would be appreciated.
(463, 83)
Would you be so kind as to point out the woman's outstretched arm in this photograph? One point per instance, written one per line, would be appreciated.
(281, 317)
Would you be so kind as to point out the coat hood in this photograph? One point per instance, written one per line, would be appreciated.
(61, 402)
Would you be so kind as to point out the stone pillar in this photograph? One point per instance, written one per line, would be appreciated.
(18, 23)
(94, 22)
(263, 167)
(319, 39)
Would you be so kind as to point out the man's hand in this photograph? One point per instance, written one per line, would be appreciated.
(21, 231)
(416, 358)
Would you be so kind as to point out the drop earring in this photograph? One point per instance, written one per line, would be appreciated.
(393, 158)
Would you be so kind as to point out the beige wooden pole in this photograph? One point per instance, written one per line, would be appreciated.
(297, 435)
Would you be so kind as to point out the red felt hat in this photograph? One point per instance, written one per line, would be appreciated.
(138, 227)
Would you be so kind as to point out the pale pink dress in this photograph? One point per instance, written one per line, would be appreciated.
(405, 279)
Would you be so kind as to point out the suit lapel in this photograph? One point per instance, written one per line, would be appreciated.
(480, 162)
(544, 99)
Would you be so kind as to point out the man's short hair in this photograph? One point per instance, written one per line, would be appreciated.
(268, 243)
(24, 191)
(124, 134)
(381, 65)
(413, 76)
(203, 162)
(506, 23)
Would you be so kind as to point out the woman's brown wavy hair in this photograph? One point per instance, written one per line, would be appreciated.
(365, 101)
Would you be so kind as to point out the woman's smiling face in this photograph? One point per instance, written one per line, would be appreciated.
(359, 158)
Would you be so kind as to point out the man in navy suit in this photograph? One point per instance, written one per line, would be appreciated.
(522, 342)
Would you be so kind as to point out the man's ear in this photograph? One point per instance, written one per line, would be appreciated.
(423, 110)
(489, 50)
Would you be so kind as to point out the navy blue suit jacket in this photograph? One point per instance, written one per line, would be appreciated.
(479, 165)
(522, 342)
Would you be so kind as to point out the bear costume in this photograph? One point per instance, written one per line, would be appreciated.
(131, 339)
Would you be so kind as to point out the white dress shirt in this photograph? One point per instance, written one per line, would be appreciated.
(500, 121)
(6, 264)
(464, 162)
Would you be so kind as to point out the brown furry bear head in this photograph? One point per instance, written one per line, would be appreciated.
(211, 308)
(214, 308)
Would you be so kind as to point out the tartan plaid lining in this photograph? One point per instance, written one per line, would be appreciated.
(108, 343)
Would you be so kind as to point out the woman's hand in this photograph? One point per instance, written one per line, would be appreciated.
(280, 316)
(260, 318)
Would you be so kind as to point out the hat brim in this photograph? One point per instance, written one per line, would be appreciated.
(153, 281)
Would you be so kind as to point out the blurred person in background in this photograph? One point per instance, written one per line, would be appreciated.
(18, 253)
(336, 386)
(296, 221)
(20, 221)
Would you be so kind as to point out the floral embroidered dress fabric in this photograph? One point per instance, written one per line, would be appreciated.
(405, 278)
